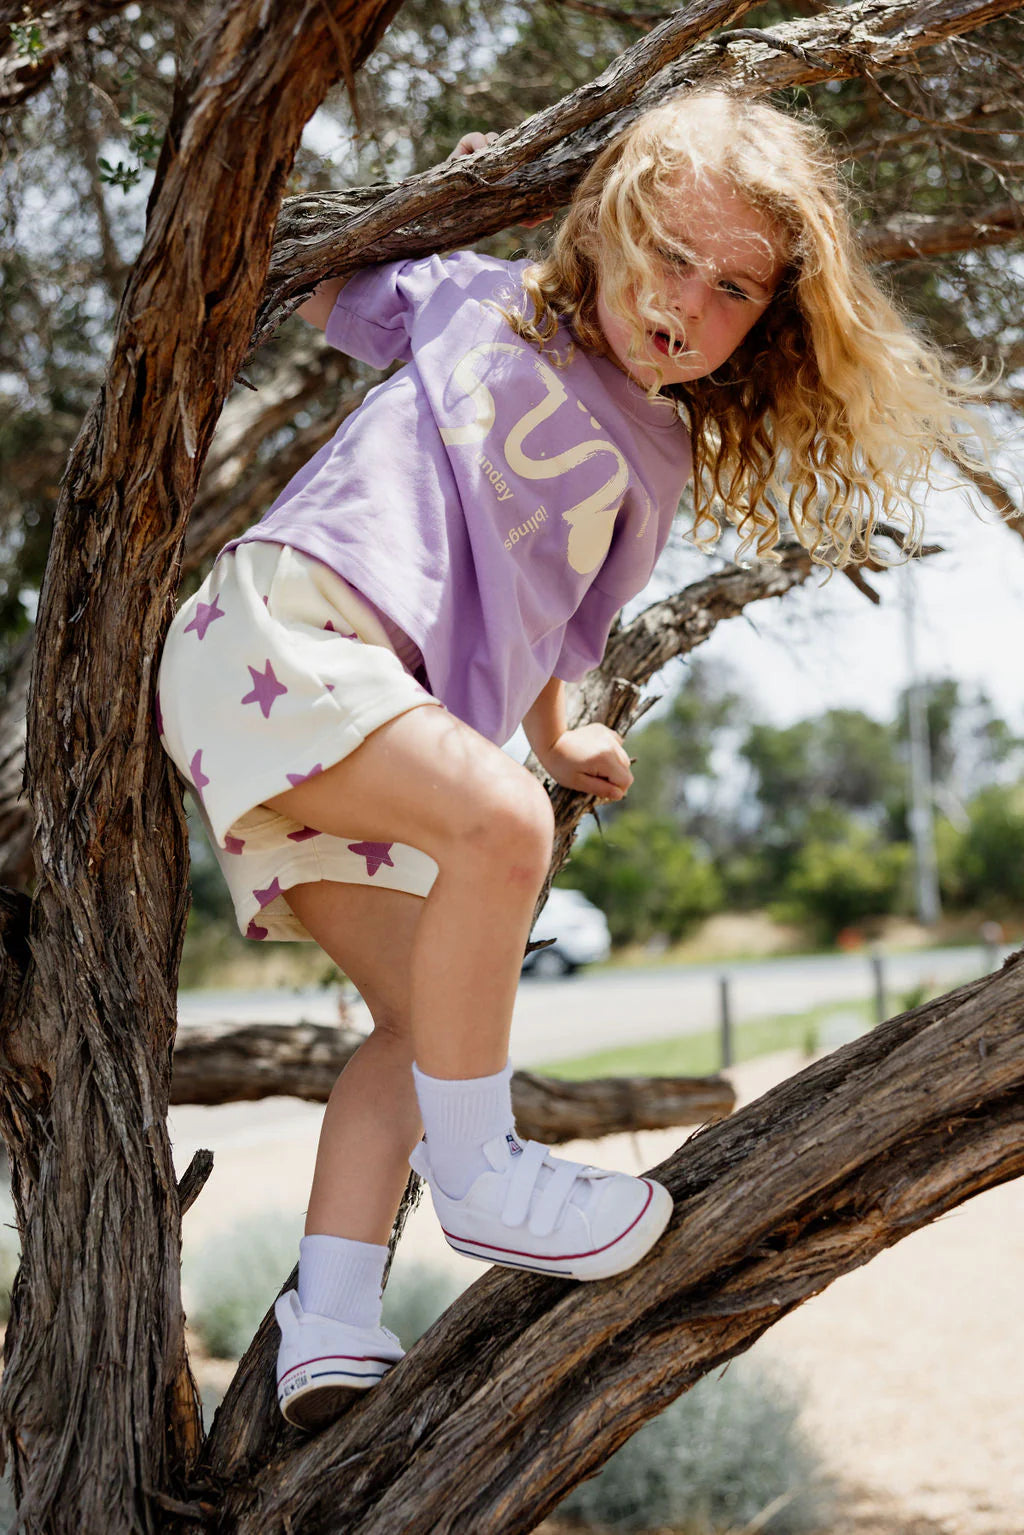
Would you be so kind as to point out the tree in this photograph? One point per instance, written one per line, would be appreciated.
(97, 1404)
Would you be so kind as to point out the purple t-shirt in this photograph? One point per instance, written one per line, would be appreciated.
(498, 509)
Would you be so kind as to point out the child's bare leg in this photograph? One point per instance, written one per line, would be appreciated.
(372, 1119)
(428, 780)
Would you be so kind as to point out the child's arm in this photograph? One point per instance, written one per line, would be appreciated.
(590, 759)
(317, 308)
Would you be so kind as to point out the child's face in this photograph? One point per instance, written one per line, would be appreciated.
(715, 301)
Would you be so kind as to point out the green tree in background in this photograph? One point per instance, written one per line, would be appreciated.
(646, 877)
(808, 820)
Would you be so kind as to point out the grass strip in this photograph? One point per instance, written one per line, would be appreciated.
(699, 1055)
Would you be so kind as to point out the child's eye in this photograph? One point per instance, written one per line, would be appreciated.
(734, 292)
(674, 258)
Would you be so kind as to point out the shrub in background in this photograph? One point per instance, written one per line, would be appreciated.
(646, 877)
(989, 862)
(416, 1296)
(836, 884)
(230, 1283)
(727, 1456)
(10, 1251)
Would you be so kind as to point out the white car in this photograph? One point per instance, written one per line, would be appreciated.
(580, 931)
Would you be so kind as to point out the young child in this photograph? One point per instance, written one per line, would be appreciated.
(337, 691)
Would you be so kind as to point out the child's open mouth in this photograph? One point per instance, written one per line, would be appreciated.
(663, 342)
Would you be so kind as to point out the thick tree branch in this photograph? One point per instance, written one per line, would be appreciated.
(33, 41)
(915, 236)
(229, 1064)
(847, 1158)
(531, 170)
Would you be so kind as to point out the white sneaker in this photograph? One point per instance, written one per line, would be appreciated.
(536, 1211)
(320, 1361)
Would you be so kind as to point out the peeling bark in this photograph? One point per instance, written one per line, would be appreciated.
(532, 170)
(526, 1385)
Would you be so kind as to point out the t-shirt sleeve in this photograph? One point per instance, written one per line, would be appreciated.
(586, 635)
(373, 316)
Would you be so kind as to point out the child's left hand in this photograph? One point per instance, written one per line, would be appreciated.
(591, 760)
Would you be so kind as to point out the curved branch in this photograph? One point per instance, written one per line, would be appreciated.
(95, 1447)
(526, 1385)
(915, 236)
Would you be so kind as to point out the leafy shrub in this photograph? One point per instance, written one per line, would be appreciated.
(231, 1282)
(718, 1459)
(835, 884)
(646, 878)
(989, 861)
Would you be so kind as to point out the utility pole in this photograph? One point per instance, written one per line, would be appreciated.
(921, 819)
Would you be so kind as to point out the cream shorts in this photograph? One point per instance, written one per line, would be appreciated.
(272, 672)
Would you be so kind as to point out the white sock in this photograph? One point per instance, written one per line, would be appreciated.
(458, 1118)
(342, 1279)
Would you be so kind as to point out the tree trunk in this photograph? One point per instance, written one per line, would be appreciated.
(219, 1064)
(97, 1404)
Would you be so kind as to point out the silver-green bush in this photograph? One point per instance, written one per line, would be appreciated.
(231, 1282)
(729, 1456)
(415, 1297)
(10, 1251)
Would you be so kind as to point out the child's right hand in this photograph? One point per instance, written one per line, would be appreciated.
(471, 144)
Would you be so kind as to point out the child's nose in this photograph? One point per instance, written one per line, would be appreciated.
(691, 297)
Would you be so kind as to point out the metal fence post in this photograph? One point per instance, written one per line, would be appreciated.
(725, 1014)
(878, 969)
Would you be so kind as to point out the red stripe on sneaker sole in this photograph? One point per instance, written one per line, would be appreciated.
(518, 1252)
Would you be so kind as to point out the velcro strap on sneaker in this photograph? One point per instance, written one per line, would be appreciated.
(521, 1183)
(552, 1198)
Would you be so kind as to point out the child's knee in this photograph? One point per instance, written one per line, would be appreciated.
(512, 827)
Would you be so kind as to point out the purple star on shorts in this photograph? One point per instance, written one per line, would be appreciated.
(346, 634)
(296, 778)
(304, 835)
(266, 689)
(271, 893)
(195, 772)
(234, 844)
(375, 854)
(206, 612)
(255, 931)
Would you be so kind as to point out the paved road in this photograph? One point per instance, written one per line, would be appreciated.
(598, 1010)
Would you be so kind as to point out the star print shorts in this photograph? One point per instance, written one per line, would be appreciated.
(272, 672)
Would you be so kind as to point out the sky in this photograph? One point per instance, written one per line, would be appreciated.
(826, 646)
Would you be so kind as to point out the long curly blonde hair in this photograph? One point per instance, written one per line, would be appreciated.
(831, 407)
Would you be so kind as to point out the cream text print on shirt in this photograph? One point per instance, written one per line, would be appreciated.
(592, 519)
